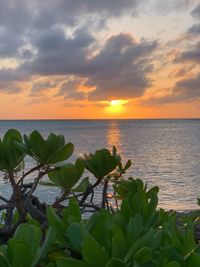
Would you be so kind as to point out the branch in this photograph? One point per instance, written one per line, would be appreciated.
(28, 172)
(34, 185)
(4, 199)
(6, 206)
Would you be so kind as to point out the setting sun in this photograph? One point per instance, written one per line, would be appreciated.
(116, 106)
(118, 102)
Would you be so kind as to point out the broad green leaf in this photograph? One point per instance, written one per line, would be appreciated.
(54, 220)
(77, 233)
(118, 246)
(66, 177)
(93, 253)
(116, 263)
(143, 255)
(3, 261)
(42, 252)
(62, 154)
(64, 262)
(29, 235)
(101, 163)
(193, 260)
(73, 211)
(22, 256)
(82, 187)
(174, 264)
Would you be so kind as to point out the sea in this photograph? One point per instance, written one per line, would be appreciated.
(164, 152)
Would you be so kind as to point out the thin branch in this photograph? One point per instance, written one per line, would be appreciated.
(6, 206)
(104, 194)
(34, 185)
(4, 199)
(29, 172)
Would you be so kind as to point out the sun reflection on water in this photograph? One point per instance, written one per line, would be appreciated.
(114, 137)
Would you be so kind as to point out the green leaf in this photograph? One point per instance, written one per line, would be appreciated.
(93, 253)
(128, 165)
(42, 252)
(54, 220)
(118, 246)
(73, 211)
(77, 233)
(143, 255)
(174, 264)
(3, 261)
(22, 256)
(29, 235)
(63, 262)
(62, 154)
(66, 177)
(11, 156)
(82, 187)
(116, 263)
(101, 163)
(193, 260)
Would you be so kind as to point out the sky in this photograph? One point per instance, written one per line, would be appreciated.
(99, 59)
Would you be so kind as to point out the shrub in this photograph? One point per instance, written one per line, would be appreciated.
(128, 230)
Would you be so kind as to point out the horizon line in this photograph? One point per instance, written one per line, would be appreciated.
(92, 119)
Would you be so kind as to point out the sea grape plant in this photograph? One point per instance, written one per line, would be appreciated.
(128, 231)
(51, 169)
(126, 238)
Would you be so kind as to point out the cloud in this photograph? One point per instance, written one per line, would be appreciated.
(10, 88)
(40, 88)
(194, 29)
(11, 75)
(196, 12)
(121, 68)
(22, 19)
(15, 16)
(58, 54)
(70, 89)
(186, 90)
(190, 55)
(10, 43)
(118, 69)
(68, 12)
(181, 72)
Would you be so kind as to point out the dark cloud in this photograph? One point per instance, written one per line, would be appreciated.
(161, 7)
(69, 11)
(194, 29)
(196, 12)
(40, 88)
(15, 16)
(70, 89)
(10, 43)
(58, 54)
(186, 90)
(9, 88)
(121, 68)
(190, 55)
(181, 72)
(22, 19)
(11, 75)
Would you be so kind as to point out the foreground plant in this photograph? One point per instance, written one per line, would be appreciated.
(137, 235)
(50, 157)
(124, 229)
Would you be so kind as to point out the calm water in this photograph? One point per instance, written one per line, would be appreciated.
(164, 152)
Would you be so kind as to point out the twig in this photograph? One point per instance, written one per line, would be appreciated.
(4, 199)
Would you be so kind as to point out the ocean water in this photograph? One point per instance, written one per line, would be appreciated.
(163, 152)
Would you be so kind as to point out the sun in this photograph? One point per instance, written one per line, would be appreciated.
(115, 106)
(115, 102)
(118, 102)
